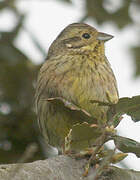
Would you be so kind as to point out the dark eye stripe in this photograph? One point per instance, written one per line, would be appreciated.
(86, 35)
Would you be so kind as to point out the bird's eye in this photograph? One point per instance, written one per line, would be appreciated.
(86, 35)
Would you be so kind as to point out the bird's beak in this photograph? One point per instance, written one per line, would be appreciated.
(104, 37)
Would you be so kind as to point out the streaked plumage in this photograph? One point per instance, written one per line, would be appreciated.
(77, 70)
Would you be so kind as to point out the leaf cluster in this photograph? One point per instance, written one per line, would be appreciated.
(84, 132)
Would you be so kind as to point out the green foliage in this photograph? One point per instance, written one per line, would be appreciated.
(129, 106)
(120, 17)
(127, 145)
(79, 140)
(83, 134)
(71, 108)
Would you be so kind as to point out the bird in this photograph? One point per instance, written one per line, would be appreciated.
(77, 70)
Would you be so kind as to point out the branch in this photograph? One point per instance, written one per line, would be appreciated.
(61, 167)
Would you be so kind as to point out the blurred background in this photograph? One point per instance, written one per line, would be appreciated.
(27, 28)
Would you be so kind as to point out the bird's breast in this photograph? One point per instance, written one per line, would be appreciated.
(85, 80)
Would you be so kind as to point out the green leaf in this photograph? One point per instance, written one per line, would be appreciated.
(78, 129)
(83, 135)
(127, 145)
(116, 158)
(129, 106)
(81, 114)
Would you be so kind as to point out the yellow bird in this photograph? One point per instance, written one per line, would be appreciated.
(77, 70)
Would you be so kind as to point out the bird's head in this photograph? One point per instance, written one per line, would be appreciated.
(79, 38)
